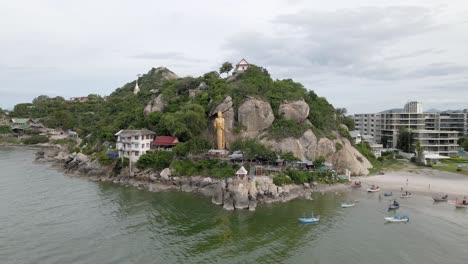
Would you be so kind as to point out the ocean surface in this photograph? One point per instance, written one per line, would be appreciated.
(48, 217)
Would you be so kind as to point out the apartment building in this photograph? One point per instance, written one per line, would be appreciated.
(437, 132)
(132, 144)
(368, 124)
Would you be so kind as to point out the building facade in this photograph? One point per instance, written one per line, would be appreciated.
(446, 127)
(132, 144)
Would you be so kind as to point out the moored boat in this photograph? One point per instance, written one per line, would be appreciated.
(346, 205)
(440, 198)
(461, 205)
(393, 206)
(356, 184)
(397, 219)
(312, 219)
(373, 189)
(406, 195)
(388, 194)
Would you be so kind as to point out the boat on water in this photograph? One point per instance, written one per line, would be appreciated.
(349, 204)
(393, 206)
(461, 205)
(406, 195)
(397, 219)
(388, 194)
(440, 198)
(373, 189)
(356, 184)
(311, 219)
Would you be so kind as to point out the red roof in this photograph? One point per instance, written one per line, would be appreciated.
(165, 141)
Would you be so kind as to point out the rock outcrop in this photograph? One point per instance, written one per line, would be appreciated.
(297, 111)
(254, 116)
(339, 151)
(156, 105)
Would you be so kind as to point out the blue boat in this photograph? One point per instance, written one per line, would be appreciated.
(312, 219)
(388, 194)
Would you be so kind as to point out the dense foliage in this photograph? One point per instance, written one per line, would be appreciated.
(156, 160)
(463, 142)
(283, 128)
(253, 150)
(35, 140)
(406, 141)
(209, 167)
(5, 130)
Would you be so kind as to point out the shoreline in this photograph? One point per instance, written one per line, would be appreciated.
(231, 193)
(426, 181)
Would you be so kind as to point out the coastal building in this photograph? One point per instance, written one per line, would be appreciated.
(132, 144)
(368, 124)
(439, 142)
(242, 66)
(164, 143)
(80, 99)
(446, 127)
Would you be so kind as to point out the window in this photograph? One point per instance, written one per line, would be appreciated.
(136, 137)
(135, 145)
(142, 145)
(147, 145)
(137, 153)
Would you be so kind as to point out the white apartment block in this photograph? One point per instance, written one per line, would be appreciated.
(368, 124)
(436, 141)
(445, 126)
(132, 144)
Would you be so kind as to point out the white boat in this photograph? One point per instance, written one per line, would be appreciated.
(406, 195)
(397, 219)
(373, 189)
(346, 205)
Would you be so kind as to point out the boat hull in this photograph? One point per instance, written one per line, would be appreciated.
(373, 190)
(308, 220)
(461, 206)
(396, 220)
(346, 205)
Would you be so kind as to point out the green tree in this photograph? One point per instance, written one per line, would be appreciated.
(226, 68)
(406, 141)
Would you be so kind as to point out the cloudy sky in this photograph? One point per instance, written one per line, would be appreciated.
(365, 55)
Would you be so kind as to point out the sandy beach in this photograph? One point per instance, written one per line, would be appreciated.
(426, 181)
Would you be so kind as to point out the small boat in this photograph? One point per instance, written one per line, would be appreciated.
(373, 189)
(406, 195)
(346, 205)
(397, 219)
(440, 198)
(356, 184)
(388, 194)
(461, 205)
(393, 206)
(312, 219)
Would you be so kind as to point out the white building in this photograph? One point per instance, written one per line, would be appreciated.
(132, 144)
(242, 66)
(385, 126)
(413, 107)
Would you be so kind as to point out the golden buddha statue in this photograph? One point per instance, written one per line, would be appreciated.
(219, 126)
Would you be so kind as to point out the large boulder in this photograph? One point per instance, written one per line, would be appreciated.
(340, 152)
(156, 105)
(297, 111)
(254, 116)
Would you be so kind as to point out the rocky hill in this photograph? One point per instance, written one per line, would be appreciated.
(282, 115)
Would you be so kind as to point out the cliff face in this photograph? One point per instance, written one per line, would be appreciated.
(255, 117)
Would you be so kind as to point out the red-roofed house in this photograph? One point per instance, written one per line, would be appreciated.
(164, 143)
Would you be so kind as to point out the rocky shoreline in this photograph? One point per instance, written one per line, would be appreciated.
(231, 193)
